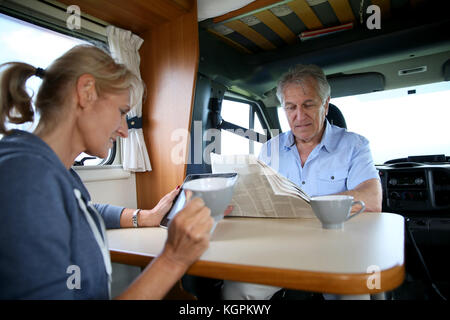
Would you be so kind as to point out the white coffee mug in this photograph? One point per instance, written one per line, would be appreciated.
(216, 192)
(334, 210)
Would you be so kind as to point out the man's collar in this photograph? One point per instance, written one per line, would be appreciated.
(290, 141)
(327, 138)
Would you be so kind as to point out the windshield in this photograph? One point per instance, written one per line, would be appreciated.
(398, 123)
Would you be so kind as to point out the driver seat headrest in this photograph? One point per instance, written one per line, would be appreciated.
(335, 116)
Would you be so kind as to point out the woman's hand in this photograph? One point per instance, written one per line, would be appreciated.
(153, 217)
(187, 238)
(188, 234)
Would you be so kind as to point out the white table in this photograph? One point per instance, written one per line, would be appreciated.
(366, 257)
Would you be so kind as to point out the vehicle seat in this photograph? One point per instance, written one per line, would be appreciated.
(335, 116)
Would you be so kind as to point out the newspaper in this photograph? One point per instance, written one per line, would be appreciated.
(260, 191)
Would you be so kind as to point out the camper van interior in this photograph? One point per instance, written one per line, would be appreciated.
(213, 64)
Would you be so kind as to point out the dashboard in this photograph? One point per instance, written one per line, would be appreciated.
(410, 187)
(420, 191)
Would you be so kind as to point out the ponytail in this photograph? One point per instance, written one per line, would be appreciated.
(15, 102)
(59, 79)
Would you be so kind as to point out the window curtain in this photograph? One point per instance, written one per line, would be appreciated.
(124, 47)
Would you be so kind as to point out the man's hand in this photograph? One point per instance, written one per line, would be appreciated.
(370, 193)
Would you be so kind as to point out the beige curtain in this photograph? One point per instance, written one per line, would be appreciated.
(124, 47)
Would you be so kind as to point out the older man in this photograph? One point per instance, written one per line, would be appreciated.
(321, 158)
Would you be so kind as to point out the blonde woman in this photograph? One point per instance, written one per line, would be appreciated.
(48, 224)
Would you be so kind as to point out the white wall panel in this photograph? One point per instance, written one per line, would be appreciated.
(110, 185)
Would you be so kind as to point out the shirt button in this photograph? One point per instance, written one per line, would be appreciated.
(332, 177)
(303, 182)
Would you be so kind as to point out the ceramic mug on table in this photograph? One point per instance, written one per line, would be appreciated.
(216, 192)
(334, 210)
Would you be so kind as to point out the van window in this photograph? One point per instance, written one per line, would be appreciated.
(398, 123)
(401, 122)
(25, 42)
(284, 124)
(244, 115)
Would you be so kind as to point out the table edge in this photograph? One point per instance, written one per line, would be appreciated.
(324, 282)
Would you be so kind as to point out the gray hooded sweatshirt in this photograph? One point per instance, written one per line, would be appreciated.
(48, 248)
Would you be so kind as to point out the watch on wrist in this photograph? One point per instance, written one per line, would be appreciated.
(134, 219)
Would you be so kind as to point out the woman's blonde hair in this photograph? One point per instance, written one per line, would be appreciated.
(58, 81)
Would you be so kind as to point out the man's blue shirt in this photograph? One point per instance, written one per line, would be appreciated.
(340, 162)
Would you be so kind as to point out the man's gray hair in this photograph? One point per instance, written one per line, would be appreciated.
(299, 74)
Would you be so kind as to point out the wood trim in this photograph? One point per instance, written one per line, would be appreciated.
(136, 15)
(255, 5)
(169, 66)
(277, 26)
(130, 258)
(169, 10)
(342, 10)
(186, 5)
(301, 280)
(305, 13)
(230, 42)
(336, 283)
(250, 34)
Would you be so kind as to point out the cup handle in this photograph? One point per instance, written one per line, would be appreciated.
(363, 205)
